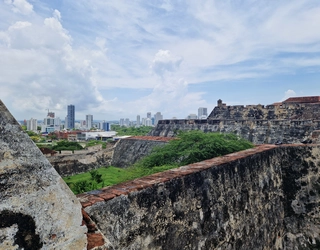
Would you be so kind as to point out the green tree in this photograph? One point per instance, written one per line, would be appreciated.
(194, 146)
(67, 145)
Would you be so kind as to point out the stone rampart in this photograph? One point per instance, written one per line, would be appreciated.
(256, 131)
(262, 198)
(303, 110)
(129, 150)
(80, 162)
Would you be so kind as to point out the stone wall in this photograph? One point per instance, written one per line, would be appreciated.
(281, 111)
(262, 198)
(37, 209)
(80, 162)
(130, 150)
(256, 131)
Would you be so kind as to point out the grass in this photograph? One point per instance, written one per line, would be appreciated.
(192, 146)
(112, 175)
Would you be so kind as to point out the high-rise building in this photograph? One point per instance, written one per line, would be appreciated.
(121, 123)
(149, 115)
(105, 126)
(138, 120)
(148, 122)
(50, 114)
(157, 117)
(70, 116)
(32, 124)
(127, 122)
(89, 121)
(50, 124)
(202, 113)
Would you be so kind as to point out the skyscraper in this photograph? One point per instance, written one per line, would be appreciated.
(70, 116)
(157, 117)
(105, 126)
(149, 115)
(138, 120)
(89, 121)
(202, 113)
(121, 123)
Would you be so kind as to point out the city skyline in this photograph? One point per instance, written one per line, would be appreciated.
(119, 59)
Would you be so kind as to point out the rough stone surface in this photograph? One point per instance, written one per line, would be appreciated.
(37, 209)
(289, 122)
(256, 131)
(81, 162)
(130, 150)
(262, 198)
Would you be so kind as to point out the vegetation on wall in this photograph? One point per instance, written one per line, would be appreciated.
(194, 146)
(67, 145)
(96, 142)
(189, 147)
(143, 130)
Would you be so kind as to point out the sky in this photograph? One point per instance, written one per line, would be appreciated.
(119, 59)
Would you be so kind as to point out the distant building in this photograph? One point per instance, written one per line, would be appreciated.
(202, 113)
(148, 122)
(50, 114)
(192, 116)
(32, 124)
(89, 121)
(138, 120)
(127, 122)
(121, 123)
(143, 122)
(98, 135)
(157, 117)
(105, 126)
(149, 115)
(70, 116)
(83, 124)
(50, 124)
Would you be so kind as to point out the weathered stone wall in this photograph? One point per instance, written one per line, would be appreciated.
(262, 198)
(130, 150)
(282, 111)
(37, 209)
(256, 131)
(80, 162)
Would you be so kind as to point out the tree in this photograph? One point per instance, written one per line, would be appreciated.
(194, 146)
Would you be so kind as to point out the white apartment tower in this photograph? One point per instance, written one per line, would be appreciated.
(157, 117)
(32, 124)
(121, 123)
(89, 121)
(202, 113)
(138, 120)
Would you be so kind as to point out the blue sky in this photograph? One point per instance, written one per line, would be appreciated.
(118, 59)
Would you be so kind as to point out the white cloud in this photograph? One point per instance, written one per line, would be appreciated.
(20, 6)
(164, 62)
(289, 93)
(19, 25)
(57, 14)
(72, 53)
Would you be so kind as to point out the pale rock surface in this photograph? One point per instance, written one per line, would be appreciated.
(37, 209)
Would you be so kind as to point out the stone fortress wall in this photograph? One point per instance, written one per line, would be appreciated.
(292, 121)
(81, 161)
(267, 197)
(129, 150)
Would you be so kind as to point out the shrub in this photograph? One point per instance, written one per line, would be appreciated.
(67, 145)
(194, 146)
